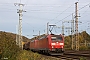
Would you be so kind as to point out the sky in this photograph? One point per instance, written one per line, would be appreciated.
(40, 12)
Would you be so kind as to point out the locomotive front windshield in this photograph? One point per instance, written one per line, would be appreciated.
(56, 38)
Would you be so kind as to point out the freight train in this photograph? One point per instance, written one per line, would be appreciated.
(49, 44)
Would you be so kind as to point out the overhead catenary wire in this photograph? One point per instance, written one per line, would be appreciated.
(48, 11)
(70, 14)
(83, 14)
(73, 12)
(84, 6)
(62, 12)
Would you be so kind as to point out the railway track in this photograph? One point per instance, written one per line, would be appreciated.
(62, 57)
(79, 55)
(70, 55)
(65, 57)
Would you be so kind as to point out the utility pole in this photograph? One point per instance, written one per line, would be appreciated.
(63, 28)
(47, 28)
(85, 43)
(17, 42)
(20, 10)
(72, 31)
(76, 26)
(39, 34)
(68, 29)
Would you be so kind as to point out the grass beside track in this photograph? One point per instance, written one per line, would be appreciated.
(28, 55)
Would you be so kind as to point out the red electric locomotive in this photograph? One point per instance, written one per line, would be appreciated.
(33, 45)
(51, 44)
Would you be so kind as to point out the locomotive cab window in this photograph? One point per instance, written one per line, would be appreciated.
(53, 38)
(56, 38)
(59, 38)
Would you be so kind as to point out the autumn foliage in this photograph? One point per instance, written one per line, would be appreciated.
(84, 41)
(9, 50)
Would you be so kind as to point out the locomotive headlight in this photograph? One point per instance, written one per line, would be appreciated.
(53, 43)
(52, 47)
(61, 44)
